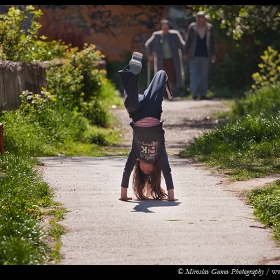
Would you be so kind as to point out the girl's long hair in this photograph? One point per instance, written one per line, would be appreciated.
(148, 186)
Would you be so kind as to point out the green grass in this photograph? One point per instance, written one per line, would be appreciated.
(266, 205)
(22, 196)
(246, 145)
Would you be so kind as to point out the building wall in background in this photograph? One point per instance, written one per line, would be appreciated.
(114, 29)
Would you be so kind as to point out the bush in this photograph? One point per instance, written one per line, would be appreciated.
(264, 101)
(19, 40)
(269, 70)
(77, 82)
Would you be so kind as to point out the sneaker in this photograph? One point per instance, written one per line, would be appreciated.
(135, 64)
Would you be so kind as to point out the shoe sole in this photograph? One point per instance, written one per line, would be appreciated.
(137, 56)
(135, 64)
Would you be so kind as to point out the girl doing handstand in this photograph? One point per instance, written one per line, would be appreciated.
(147, 157)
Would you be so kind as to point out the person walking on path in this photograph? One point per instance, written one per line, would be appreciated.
(165, 49)
(148, 155)
(200, 50)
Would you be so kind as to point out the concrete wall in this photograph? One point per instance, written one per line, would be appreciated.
(17, 77)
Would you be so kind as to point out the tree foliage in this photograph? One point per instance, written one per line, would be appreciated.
(19, 40)
(239, 20)
(269, 73)
(244, 33)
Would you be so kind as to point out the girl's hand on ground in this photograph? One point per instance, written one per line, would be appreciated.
(125, 198)
(170, 196)
(172, 199)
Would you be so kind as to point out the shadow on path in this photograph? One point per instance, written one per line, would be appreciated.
(144, 205)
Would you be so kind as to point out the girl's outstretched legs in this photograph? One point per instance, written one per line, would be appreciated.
(151, 100)
(158, 89)
(130, 84)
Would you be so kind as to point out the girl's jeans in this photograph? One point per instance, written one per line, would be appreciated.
(148, 104)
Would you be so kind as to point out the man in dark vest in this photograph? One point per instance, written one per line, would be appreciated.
(200, 51)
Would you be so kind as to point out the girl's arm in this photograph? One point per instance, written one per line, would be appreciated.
(124, 196)
(130, 162)
(166, 171)
(171, 197)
